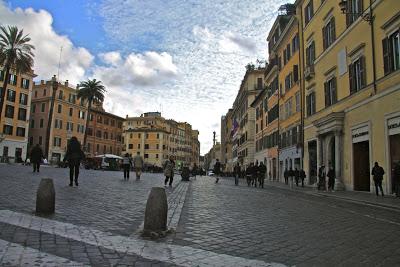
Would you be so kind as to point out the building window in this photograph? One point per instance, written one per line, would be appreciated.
(22, 114)
(44, 92)
(112, 123)
(33, 108)
(146, 156)
(288, 82)
(1, 75)
(57, 142)
(311, 105)
(99, 119)
(330, 92)
(8, 129)
(329, 33)
(106, 121)
(310, 54)
(32, 124)
(357, 77)
(354, 10)
(60, 94)
(89, 147)
(59, 108)
(130, 146)
(259, 83)
(98, 134)
(31, 140)
(309, 12)
(105, 135)
(43, 107)
(23, 99)
(21, 131)
(71, 112)
(297, 96)
(138, 146)
(156, 156)
(11, 95)
(12, 79)
(40, 140)
(41, 123)
(97, 148)
(157, 146)
(391, 52)
(147, 136)
(70, 126)
(139, 136)
(9, 111)
(158, 136)
(146, 146)
(295, 43)
(90, 131)
(35, 94)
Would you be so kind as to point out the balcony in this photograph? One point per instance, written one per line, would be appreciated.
(309, 72)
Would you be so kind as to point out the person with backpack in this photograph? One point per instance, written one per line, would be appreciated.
(126, 165)
(74, 156)
(377, 173)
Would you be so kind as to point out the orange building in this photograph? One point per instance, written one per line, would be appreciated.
(69, 117)
(15, 116)
(104, 132)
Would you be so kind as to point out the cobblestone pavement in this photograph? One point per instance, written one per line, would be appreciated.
(94, 225)
(291, 227)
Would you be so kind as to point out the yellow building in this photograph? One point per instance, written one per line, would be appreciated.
(243, 149)
(69, 118)
(156, 139)
(352, 89)
(287, 48)
(15, 115)
(226, 141)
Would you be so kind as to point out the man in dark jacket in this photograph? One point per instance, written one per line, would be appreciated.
(396, 179)
(262, 169)
(302, 175)
(255, 174)
(331, 179)
(236, 172)
(249, 173)
(377, 173)
(286, 175)
(36, 157)
(296, 176)
(217, 170)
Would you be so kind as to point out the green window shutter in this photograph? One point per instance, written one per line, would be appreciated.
(351, 79)
(363, 72)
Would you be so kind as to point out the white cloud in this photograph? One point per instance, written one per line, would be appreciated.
(231, 42)
(111, 58)
(74, 60)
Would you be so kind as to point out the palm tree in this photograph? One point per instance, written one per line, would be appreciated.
(15, 54)
(90, 91)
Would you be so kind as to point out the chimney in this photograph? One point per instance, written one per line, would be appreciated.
(66, 83)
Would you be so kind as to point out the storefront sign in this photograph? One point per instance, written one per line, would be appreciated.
(360, 134)
(394, 126)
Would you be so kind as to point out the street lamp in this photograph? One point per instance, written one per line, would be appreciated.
(343, 4)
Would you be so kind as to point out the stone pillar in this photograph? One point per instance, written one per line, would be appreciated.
(338, 161)
(320, 151)
(155, 217)
(45, 197)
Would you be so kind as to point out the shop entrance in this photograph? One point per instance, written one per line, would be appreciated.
(394, 142)
(312, 161)
(361, 166)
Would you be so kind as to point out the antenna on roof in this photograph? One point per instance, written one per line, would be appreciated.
(59, 63)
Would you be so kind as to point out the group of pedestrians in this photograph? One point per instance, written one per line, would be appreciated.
(137, 163)
(322, 175)
(295, 175)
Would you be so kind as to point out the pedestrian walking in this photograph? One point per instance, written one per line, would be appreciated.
(322, 178)
(126, 165)
(262, 170)
(169, 166)
(331, 179)
(255, 174)
(396, 178)
(302, 177)
(217, 170)
(377, 173)
(36, 157)
(236, 173)
(138, 165)
(286, 176)
(194, 170)
(296, 176)
(249, 173)
(74, 156)
(291, 178)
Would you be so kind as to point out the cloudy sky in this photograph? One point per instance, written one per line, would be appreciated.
(185, 58)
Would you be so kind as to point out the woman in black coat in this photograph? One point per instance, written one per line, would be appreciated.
(74, 156)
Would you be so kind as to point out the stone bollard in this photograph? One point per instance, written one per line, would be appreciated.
(45, 197)
(155, 217)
